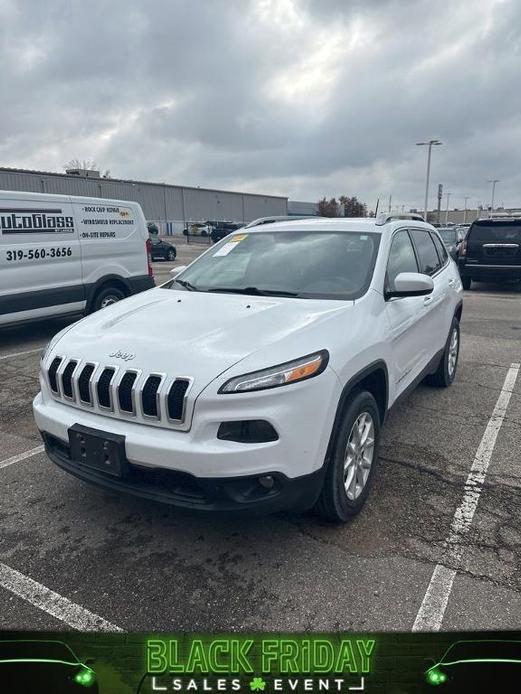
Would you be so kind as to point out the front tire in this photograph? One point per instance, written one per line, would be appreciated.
(446, 371)
(107, 297)
(171, 255)
(350, 471)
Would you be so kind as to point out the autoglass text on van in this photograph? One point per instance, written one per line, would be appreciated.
(27, 221)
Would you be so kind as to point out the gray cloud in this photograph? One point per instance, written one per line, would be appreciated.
(299, 97)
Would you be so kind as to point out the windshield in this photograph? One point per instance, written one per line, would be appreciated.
(314, 265)
(36, 650)
(483, 650)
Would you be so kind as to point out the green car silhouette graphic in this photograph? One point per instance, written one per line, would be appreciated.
(46, 667)
(478, 666)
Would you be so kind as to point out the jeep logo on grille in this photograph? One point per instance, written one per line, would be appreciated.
(126, 356)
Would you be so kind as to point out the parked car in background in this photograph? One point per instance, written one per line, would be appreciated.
(491, 251)
(197, 229)
(222, 229)
(65, 254)
(451, 237)
(159, 249)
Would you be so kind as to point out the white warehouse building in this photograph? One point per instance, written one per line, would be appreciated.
(171, 207)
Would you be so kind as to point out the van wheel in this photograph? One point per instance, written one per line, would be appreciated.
(106, 297)
(350, 471)
(466, 282)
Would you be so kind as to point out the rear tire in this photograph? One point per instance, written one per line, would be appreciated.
(106, 297)
(466, 282)
(171, 255)
(350, 470)
(446, 371)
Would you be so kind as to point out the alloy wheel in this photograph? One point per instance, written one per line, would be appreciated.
(359, 455)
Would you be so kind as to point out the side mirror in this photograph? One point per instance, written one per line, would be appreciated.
(410, 284)
(177, 270)
(453, 252)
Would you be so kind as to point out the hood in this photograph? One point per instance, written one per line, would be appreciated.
(191, 334)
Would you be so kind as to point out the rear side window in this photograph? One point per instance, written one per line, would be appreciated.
(496, 232)
(401, 257)
(427, 254)
(440, 246)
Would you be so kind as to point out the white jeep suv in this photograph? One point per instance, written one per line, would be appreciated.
(260, 377)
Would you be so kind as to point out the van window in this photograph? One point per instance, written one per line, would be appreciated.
(427, 255)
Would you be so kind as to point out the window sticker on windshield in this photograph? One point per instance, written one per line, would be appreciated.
(232, 243)
(227, 248)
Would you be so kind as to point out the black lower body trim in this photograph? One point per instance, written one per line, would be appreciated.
(244, 493)
(42, 298)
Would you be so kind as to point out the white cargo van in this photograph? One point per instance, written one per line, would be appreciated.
(62, 255)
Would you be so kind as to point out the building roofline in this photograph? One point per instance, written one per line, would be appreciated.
(8, 169)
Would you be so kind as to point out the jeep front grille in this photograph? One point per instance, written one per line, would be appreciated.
(116, 391)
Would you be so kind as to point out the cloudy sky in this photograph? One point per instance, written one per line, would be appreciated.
(302, 98)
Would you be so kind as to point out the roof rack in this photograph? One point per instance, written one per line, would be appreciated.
(385, 217)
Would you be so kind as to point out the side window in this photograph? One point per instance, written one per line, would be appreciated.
(440, 246)
(401, 257)
(427, 254)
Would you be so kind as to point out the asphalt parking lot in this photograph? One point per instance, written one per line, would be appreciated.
(76, 556)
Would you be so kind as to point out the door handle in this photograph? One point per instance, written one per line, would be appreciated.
(452, 282)
(427, 300)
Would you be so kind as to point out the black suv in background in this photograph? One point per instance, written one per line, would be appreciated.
(491, 251)
(222, 229)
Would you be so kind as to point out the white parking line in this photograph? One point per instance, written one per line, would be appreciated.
(432, 609)
(21, 456)
(21, 354)
(50, 602)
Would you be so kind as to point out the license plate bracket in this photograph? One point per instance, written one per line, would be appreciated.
(99, 450)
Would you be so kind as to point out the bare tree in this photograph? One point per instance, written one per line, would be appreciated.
(353, 207)
(327, 208)
(89, 164)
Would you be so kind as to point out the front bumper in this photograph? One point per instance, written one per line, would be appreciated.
(244, 493)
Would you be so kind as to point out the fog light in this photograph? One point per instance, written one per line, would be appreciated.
(247, 431)
(266, 481)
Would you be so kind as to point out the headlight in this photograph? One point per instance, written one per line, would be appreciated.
(435, 676)
(85, 677)
(281, 375)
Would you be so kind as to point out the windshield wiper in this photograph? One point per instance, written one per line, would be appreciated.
(188, 285)
(252, 290)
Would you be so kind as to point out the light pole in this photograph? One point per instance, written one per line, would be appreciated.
(447, 210)
(465, 214)
(493, 181)
(429, 145)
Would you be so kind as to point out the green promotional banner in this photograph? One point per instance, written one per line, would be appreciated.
(266, 663)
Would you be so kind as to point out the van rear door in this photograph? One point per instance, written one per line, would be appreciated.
(494, 242)
(40, 259)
